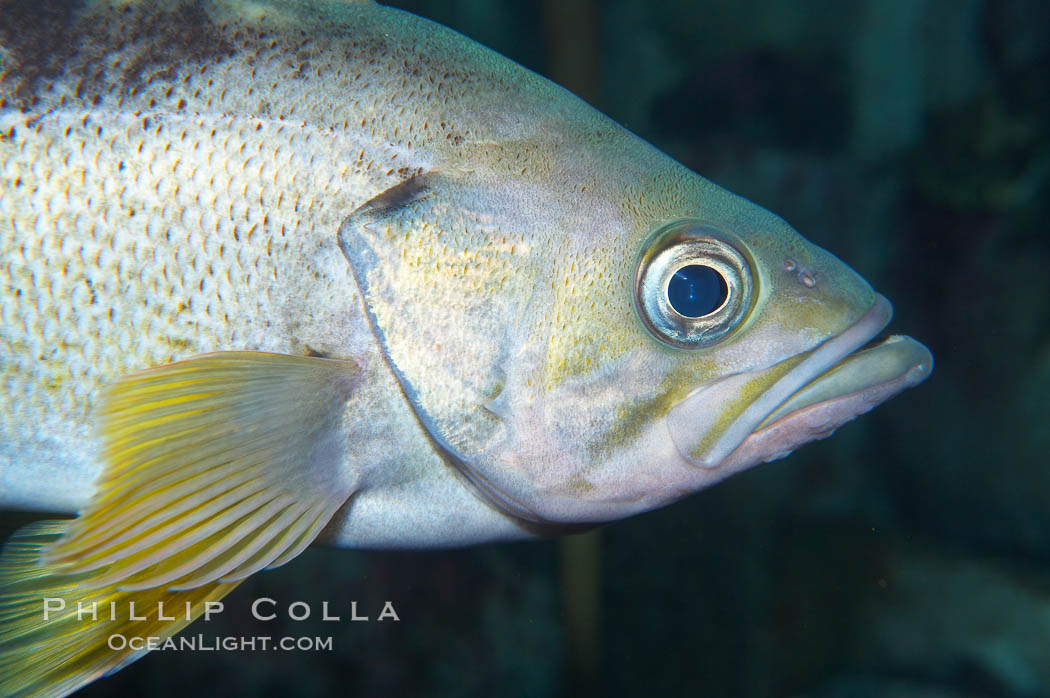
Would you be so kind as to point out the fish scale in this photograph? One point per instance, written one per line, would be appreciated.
(174, 183)
(121, 224)
(192, 183)
(277, 271)
(238, 176)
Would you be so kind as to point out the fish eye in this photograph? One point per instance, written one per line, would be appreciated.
(693, 285)
(696, 290)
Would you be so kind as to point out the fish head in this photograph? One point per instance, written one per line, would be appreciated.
(703, 337)
(587, 329)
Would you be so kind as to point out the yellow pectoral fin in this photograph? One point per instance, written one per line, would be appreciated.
(215, 468)
(59, 631)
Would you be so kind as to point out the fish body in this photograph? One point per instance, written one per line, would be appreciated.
(386, 286)
(187, 212)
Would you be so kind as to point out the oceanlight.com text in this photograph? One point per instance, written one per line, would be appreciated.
(229, 643)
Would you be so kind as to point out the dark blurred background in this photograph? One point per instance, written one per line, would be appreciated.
(908, 556)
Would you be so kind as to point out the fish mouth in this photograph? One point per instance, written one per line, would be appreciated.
(841, 378)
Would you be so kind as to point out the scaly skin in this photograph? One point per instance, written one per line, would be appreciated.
(174, 185)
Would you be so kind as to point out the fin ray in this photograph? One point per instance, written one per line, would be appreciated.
(215, 468)
(248, 426)
(57, 656)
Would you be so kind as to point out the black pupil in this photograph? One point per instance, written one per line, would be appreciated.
(696, 290)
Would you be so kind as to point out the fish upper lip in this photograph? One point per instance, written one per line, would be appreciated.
(820, 359)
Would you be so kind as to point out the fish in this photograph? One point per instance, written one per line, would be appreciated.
(275, 273)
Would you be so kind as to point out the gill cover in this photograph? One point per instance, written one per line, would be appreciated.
(469, 305)
(444, 294)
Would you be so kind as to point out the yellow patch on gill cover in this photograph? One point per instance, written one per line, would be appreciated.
(579, 485)
(632, 418)
(590, 317)
(47, 648)
(448, 291)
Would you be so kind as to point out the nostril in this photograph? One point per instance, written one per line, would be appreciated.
(805, 276)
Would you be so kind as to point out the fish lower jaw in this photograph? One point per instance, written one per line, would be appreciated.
(816, 411)
(893, 361)
(841, 378)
